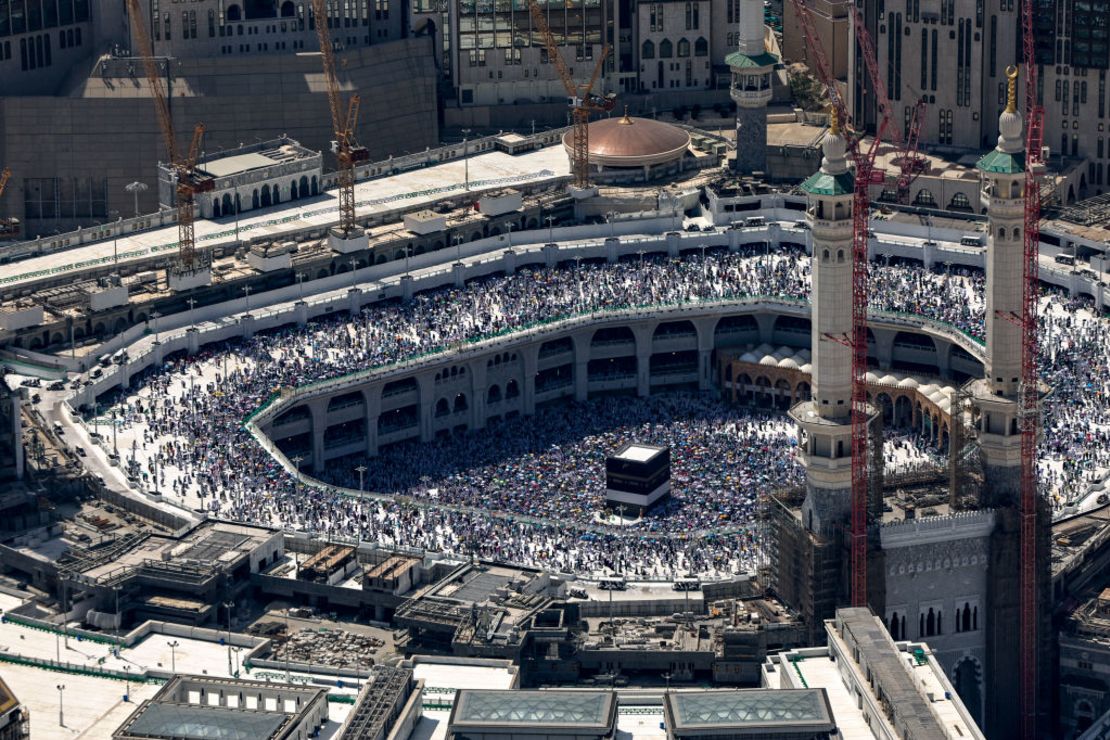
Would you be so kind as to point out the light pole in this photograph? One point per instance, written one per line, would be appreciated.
(354, 281)
(466, 158)
(510, 226)
(115, 449)
(458, 247)
(361, 470)
(300, 287)
(155, 316)
(115, 240)
(135, 188)
(609, 217)
(247, 293)
(229, 605)
(174, 644)
(550, 228)
(127, 683)
(192, 319)
(61, 716)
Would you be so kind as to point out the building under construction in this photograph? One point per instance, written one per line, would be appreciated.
(943, 558)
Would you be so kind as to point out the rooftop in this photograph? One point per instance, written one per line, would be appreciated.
(589, 711)
(750, 709)
(185, 721)
(638, 452)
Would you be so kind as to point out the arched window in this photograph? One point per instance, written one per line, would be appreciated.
(894, 627)
(304, 187)
(227, 204)
(930, 623)
(315, 186)
(925, 198)
(267, 199)
(293, 190)
(666, 51)
(648, 50)
(234, 13)
(215, 208)
(683, 48)
(254, 199)
(960, 202)
(288, 10)
(966, 618)
(701, 47)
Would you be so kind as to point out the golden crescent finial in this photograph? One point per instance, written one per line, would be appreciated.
(1011, 100)
(834, 121)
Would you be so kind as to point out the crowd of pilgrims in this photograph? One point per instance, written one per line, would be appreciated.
(530, 490)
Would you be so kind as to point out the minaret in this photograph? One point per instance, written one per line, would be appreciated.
(825, 420)
(751, 89)
(997, 396)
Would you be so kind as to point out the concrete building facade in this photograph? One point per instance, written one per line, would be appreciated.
(109, 120)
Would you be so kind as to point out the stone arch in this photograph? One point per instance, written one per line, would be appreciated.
(666, 49)
(512, 389)
(803, 392)
(120, 325)
(893, 625)
(960, 202)
(493, 395)
(886, 405)
(380, 259)
(216, 208)
(227, 204)
(460, 403)
(442, 408)
(234, 13)
(293, 190)
(266, 198)
(925, 198)
(288, 10)
(1084, 713)
(254, 199)
(315, 189)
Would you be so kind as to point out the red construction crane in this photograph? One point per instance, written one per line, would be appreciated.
(9, 227)
(189, 180)
(581, 98)
(863, 156)
(347, 152)
(907, 158)
(1029, 411)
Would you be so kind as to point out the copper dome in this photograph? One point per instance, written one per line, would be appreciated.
(633, 142)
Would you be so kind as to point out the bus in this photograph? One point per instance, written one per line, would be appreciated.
(612, 583)
(686, 584)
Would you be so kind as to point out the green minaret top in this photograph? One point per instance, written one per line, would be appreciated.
(833, 178)
(1008, 156)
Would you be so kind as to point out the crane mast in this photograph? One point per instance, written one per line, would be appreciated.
(188, 182)
(582, 100)
(1029, 389)
(344, 120)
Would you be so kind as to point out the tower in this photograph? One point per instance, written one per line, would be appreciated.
(825, 420)
(1003, 179)
(751, 89)
(997, 400)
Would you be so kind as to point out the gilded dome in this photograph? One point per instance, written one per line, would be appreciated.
(632, 142)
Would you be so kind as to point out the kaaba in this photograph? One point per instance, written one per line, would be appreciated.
(637, 476)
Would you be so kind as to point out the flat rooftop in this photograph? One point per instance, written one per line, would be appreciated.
(638, 452)
(749, 710)
(571, 711)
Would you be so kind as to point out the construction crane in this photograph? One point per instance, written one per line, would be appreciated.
(1028, 411)
(347, 152)
(582, 99)
(907, 158)
(189, 181)
(9, 227)
(863, 156)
